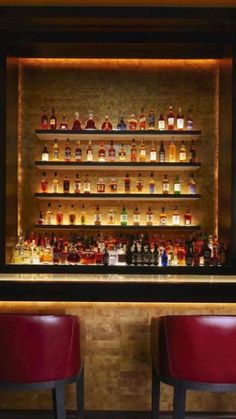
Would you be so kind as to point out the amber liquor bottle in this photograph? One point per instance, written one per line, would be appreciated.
(142, 120)
(180, 120)
(67, 150)
(170, 119)
(44, 183)
(192, 153)
(127, 183)
(66, 185)
(53, 120)
(72, 215)
(165, 186)
(89, 151)
(101, 153)
(78, 152)
(59, 215)
(45, 153)
(153, 153)
(112, 152)
(142, 152)
(77, 184)
(44, 120)
(162, 153)
(97, 216)
(133, 152)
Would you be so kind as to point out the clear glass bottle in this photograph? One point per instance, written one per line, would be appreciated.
(87, 185)
(55, 184)
(133, 151)
(162, 153)
(77, 184)
(189, 121)
(182, 152)
(165, 185)
(153, 153)
(44, 183)
(180, 120)
(49, 215)
(142, 152)
(172, 152)
(67, 150)
(170, 119)
(55, 150)
(45, 153)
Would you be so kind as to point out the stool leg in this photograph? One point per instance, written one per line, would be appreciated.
(155, 395)
(179, 401)
(59, 401)
(80, 394)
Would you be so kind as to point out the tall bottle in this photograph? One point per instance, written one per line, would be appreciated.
(123, 217)
(89, 152)
(55, 150)
(106, 125)
(153, 153)
(177, 186)
(162, 153)
(170, 119)
(176, 216)
(72, 215)
(172, 152)
(187, 217)
(165, 185)
(142, 120)
(161, 123)
(101, 185)
(53, 120)
(59, 215)
(45, 153)
(122, 153)
(113, 185)
(133, 151)
(78, 152)
(44, 120)
(49, 215)
(83, 215)
(101, 153)
(67, 150)
(90, 123)
(63, 125)
(97, 216)
(192, 185)
(192, 153)
(189, 120)
(149, 217)
(55, 184)
(152, 184)
(180, 120)
(163, 217)
(136, 217)
(139, 183)
(66, 185)
(112, 152)
(77, 184)
(76, 123)
(111, 216)
(127, 182)
(87, 185)
(142, 152)
(151, 120)
(44, 183)
(182, 152)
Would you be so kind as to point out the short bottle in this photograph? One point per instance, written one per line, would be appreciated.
(172, 152)
(76, 123)
(187, 217)
(44, 183)
(133, 151)
(139, 183)
(177, 186)
(142, 120)
(53, 120)
(142, 152)
(189, 121)
(101, 185)
(97, 216)
(123, 217)
(113, 185)
(161, 123)
(149, 217)
(63, 125)
(136, 217)
(77, 184)
(133, 123)
(192, 185)
(151, 120)
(182, 152)
(90, 123)
(152, 184)
(122, 153)
(127, 183)
(170, 119)
(176, 216)
(55, 184)
(59, 215)
(163, 217)
(192, 153)
(72, 215)
(106, 125)
(89, 152)
(83, 215)
(45, 153)
(67, 150)
(101, 153)
(165, 185)
(87, 185)
(162, 153)
(121, 124)
(180, 120)
(66, 185)
(55, 150)
(153, 153)
(44, 120)
(78, 152)
(49, 215)
(112, 152)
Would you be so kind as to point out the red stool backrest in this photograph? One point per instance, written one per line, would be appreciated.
(195, 348)
(37, 348)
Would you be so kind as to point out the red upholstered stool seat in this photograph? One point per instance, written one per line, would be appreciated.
(41, 351)
(192, 352)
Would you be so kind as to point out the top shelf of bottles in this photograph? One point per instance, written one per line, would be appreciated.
(118, 134)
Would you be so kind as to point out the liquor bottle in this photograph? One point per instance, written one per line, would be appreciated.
(187, 217)
(97, 216)
(153, 153)
(72, 215)
(206, 252)
(129, 255)
(44, 120)
(59, 215)
(189, 120)
(152, 184)
(127, 182)
(45, 153)
(133, 151)
(53, 120)
(41, 219)
(135, 255)
(55, 184)
(121, 124)
(83, 215)
(56, 254)
(78, 152)
(139, 183)
(189, 256)
(101, 185)
(132, 122)
(66, 185)
(113, 185)
(87, 185)
(176, 216)
(163, 217)
(142, 152)
(164, 258)
(136, 217)
(142, 254)
(162, 153)
(63, 124)
(192, 153)
(102, 153)
(123, 217)
(177, 186)
(192, 185)
(106, 125)
(112, 152)
(90, 123)
(182, 152)
(76, 123)
(148, 255)
(49, 215)
(161, 123)
(67, 150)
(77, 184)
(105, 257)
(149, 217)
(44, 183)
(122, 153)
(180, 120)
(151, 120)
(89, 152)
(181, 254)
(170, 119)
(111, 217)
(155, 255)
(142, 120)
(55, 150)
(172, 152)
(165, 185)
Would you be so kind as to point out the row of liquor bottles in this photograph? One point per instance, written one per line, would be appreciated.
(111, 153)
(170, 121)
(128, 185)
(138, 250)
(58, 216)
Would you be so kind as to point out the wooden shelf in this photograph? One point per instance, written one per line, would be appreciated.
(117, 135)
(114, 227)
(73, 165)
(117, 197)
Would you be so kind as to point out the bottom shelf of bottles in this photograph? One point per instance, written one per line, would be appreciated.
(125, 249)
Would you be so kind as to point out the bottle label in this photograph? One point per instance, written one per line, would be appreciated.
(165, 187)
(143, 154)
(78, 154)
(163, 220)
(182, 155)
(153, 156)
(101, 157)
(177, 187)
(162, 157)
(189, 124)
(67, 153)
(52, 121)
(86, 187)
(136, 218)
(89, 155)
(149, 219)
(77, 186)
(161, 125)
(45, 156)
(180, 123)
(171, 120)
(175, 219)
(124, 218)
(187, 221)
(101, 187)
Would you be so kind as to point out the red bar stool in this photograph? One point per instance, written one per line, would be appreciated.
(41, 352)
(192, 352)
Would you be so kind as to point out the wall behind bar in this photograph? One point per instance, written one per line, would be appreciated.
(117, 357)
